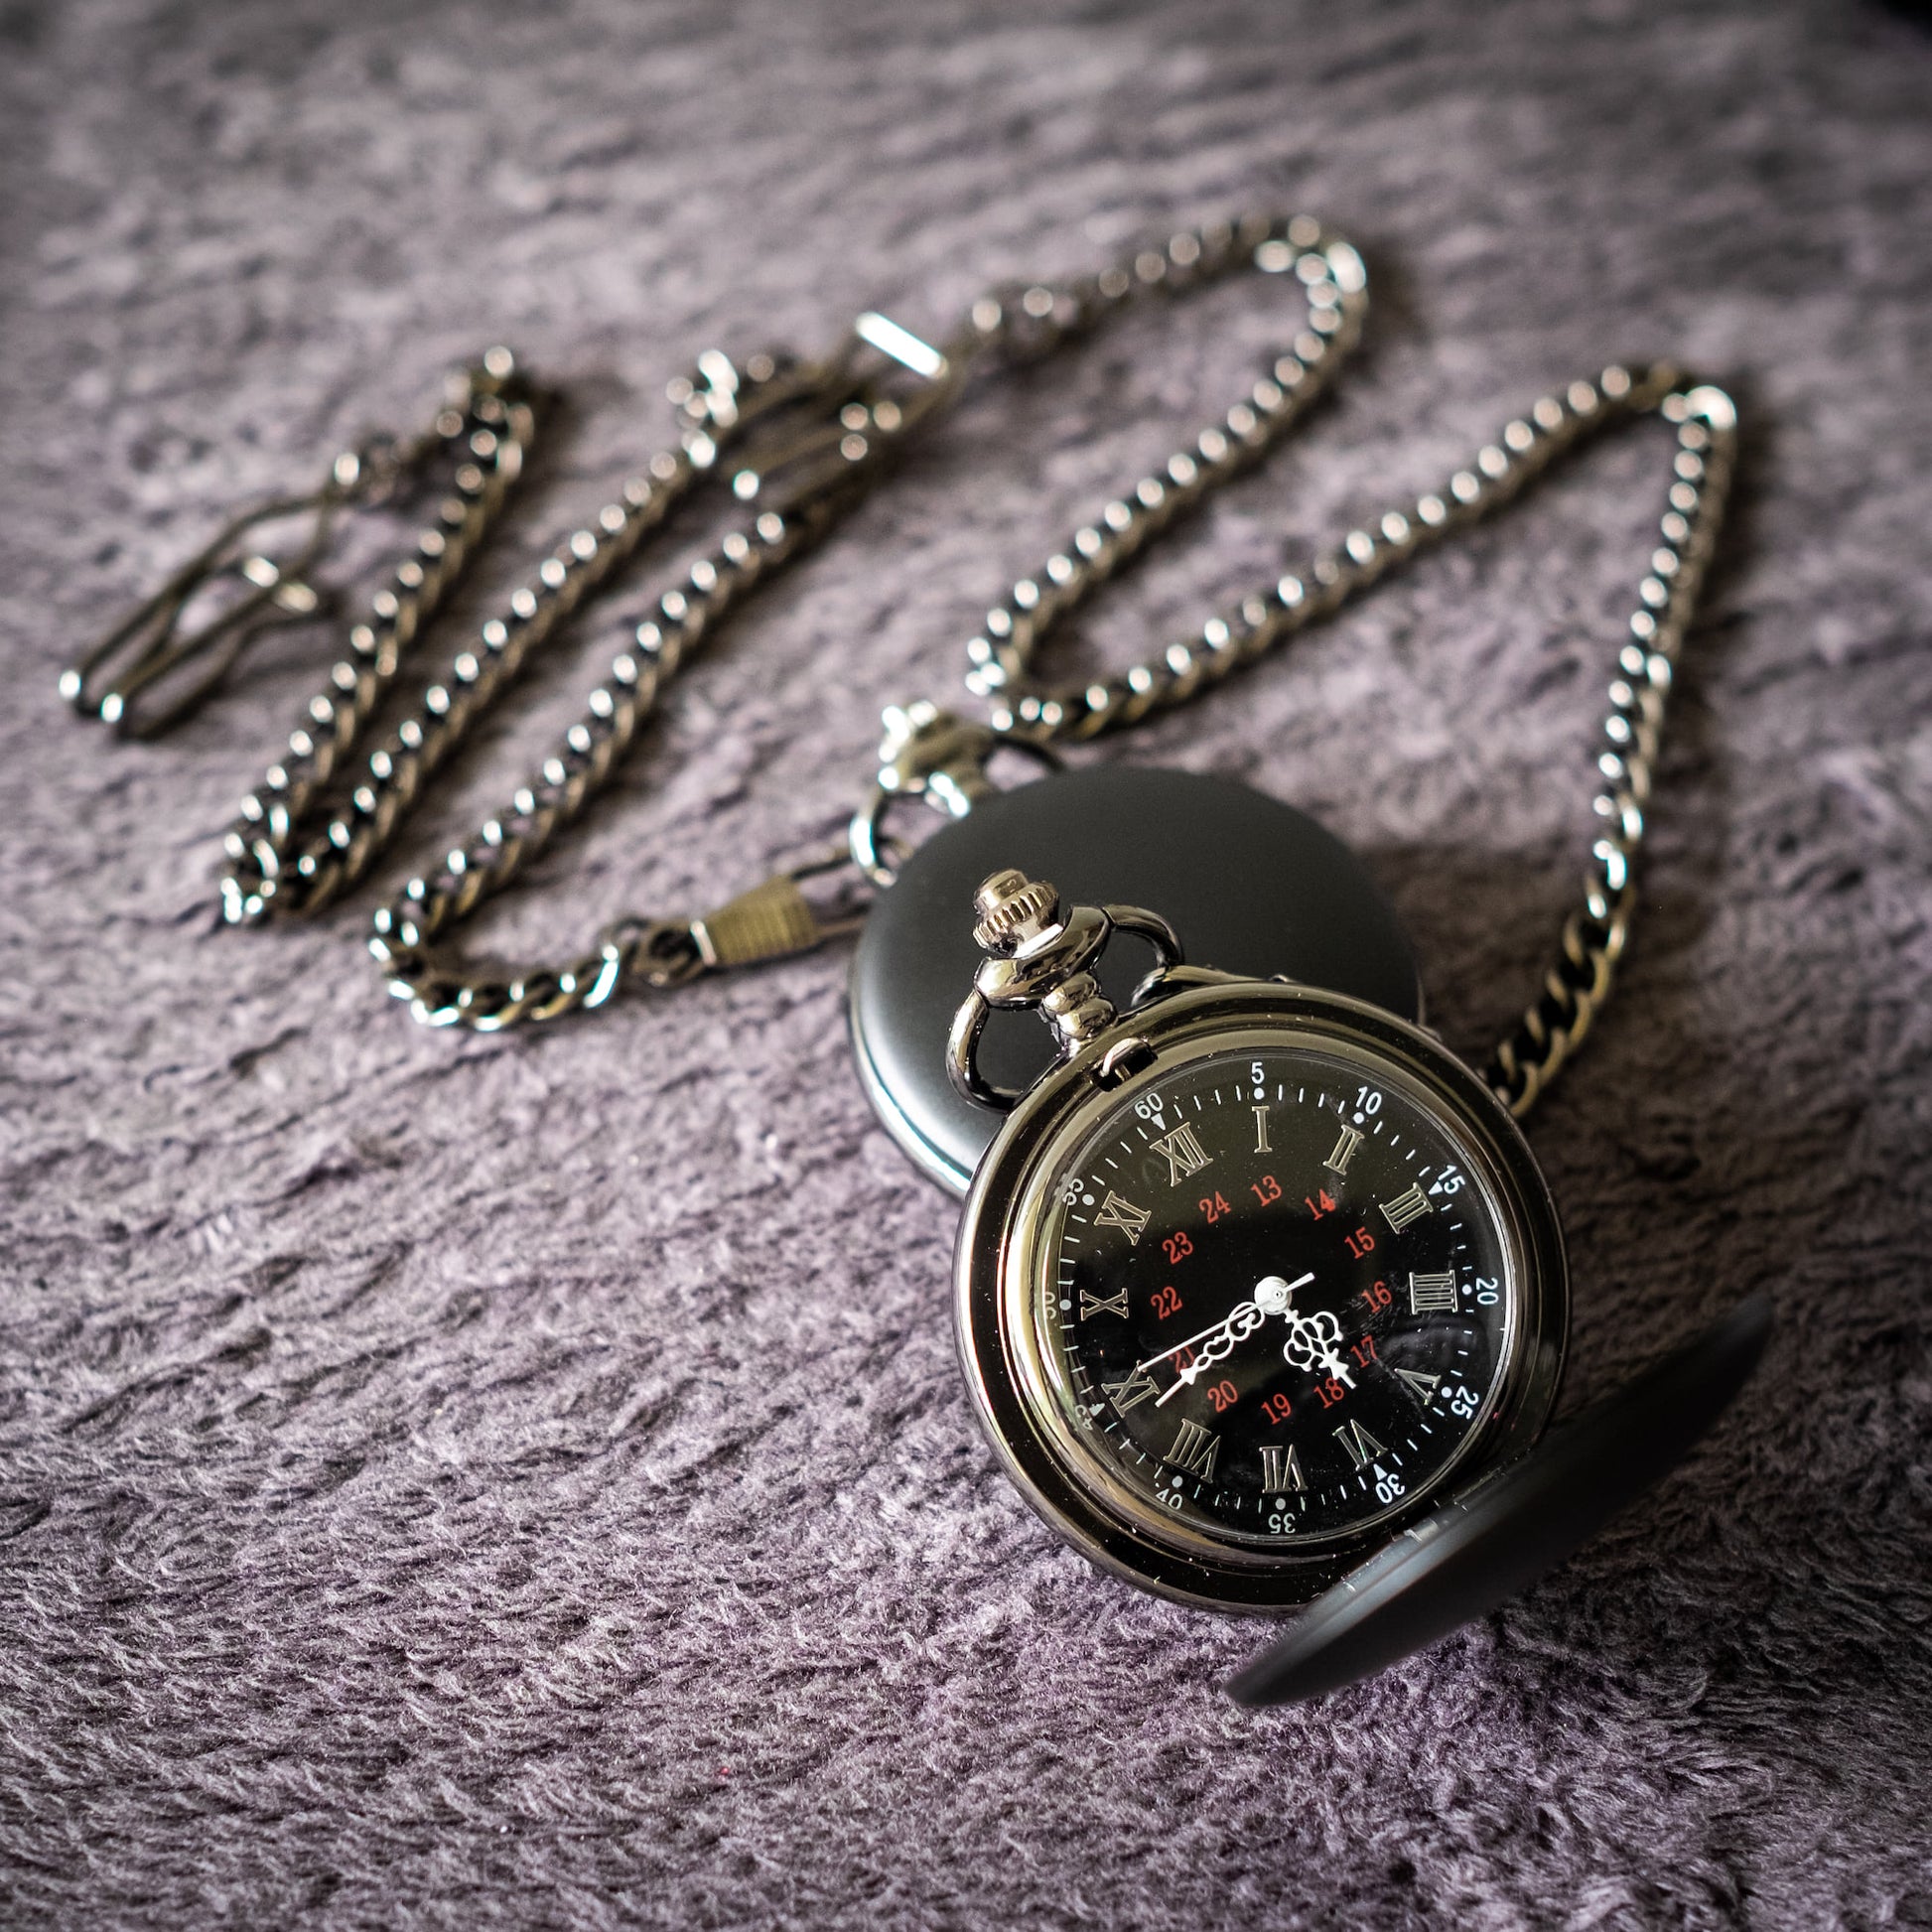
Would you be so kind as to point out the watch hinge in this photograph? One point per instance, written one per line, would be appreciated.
(1121, 1061)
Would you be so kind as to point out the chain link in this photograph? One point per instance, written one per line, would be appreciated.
(801, 441)
(1017, 324)
(307, 834)
(1595, 936)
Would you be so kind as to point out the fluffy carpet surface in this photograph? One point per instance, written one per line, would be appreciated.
(526, 1481)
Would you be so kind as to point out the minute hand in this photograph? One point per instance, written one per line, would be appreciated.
(1214, 1327)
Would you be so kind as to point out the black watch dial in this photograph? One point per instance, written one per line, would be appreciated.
(1275, 1298)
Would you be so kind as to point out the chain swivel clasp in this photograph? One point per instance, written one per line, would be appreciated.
(815, 432)
(931, 754)
(773, 920)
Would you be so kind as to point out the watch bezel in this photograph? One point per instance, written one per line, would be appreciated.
(1010, 1205)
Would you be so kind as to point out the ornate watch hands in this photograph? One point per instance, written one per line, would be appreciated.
(1311, 1338)
(1271, 1296)
(1313, 1341)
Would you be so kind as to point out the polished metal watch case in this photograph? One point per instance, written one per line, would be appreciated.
(1188, 1016)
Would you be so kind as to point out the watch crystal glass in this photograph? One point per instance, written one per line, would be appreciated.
(1272, 1297)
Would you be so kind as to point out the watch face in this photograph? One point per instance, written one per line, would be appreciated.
(1237, 1318)
(1274, 1297)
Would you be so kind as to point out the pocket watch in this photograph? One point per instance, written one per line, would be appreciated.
(1252, 1276)
(1259, 1292)
(1262, 1303)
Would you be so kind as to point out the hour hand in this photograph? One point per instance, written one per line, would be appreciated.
(1313, 1341)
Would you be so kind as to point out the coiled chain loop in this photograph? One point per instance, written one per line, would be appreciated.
(1001, 658)
(800, 441)
(812, 437)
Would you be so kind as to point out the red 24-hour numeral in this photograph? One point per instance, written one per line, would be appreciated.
(1278, 1408)
(1178, 1248)
(1221, 1395)
(1165, 1302)
(1360, 1243)
(1377, 1295)
(1268, 1189)
(1330, 1391)
(1214, 1206)
(1321, 1205)
(1363, 1350)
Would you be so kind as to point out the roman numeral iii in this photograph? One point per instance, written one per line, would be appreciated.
(1407, 1207)
(1183, 1153)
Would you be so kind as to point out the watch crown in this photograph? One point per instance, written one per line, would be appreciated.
(1014, 910)
(1044, 957)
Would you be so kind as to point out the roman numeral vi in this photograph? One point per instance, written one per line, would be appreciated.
(1363, 1448)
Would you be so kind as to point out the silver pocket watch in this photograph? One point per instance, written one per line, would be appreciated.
(1261, 1302)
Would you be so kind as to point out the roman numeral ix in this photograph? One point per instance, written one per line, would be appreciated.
(1124, 1395)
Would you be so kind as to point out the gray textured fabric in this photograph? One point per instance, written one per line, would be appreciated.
(527, 1481)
